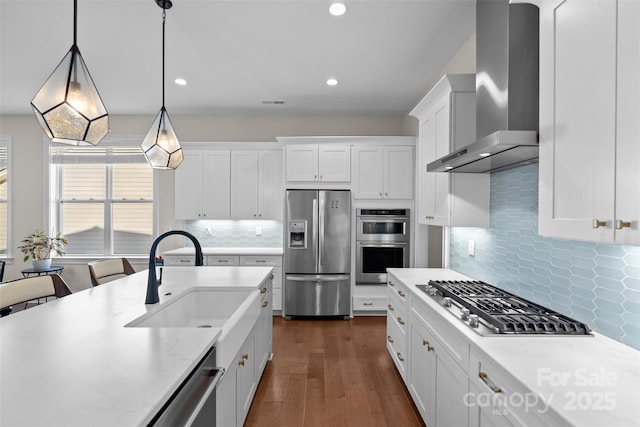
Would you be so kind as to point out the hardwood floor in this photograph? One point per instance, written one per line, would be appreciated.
(331, 373)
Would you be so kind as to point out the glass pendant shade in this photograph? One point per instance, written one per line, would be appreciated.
(161, 146)
(68, 106)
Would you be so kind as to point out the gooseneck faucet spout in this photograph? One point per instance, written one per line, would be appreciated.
(152, 283)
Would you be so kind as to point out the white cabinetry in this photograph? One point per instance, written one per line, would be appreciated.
(276, 263)
(447, 123)
(383, 172)
(590, 133)
(256, 184)
(240, 381)
(318, 163)
(397, 317)
(202, 185)
(435, 380)
(497, 399)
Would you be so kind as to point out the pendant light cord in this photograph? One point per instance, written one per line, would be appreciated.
(75, 21)
(164, 16)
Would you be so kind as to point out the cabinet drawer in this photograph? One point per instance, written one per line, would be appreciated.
(370, 303)
(214, 260)
(261, 260)
(397, 344)
(452, 341)
(488, 378)
(185, 261)
(277, 277)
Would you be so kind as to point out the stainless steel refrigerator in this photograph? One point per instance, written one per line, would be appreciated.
(317, 253)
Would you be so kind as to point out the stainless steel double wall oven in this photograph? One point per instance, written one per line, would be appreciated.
(382, 241)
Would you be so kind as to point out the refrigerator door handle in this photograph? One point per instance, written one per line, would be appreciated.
(321, 233)
(314, 231)
(318, 278)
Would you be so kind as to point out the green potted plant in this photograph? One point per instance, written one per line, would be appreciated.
(38, 246)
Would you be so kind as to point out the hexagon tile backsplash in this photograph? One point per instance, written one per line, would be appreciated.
(595, 283)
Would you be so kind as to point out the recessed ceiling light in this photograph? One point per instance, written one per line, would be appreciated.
(448, 167)
(180, 82)
(337, 9)
(332, 82)
(484, 154)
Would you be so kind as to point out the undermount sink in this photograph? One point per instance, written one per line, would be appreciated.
(234, 310)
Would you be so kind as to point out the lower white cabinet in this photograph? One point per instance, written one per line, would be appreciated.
(397, 323)
(436, 382)
(237, 388)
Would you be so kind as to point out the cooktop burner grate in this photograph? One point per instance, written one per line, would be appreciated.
(506, 312)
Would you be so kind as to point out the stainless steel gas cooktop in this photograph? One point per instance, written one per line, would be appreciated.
(490, 311)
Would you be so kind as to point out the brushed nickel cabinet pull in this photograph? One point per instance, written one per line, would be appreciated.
(429, 217)
(390, 307)
(245, 356)
(620, 224)
(425, 342)
(241, 363)
(264, 304)
(389, 338)
(263, 290)
(401, 294)
(485, 378)
(429, 348)
(400, 320)
(391, 283)
(597, 223)
(367, 303)
(400, 357)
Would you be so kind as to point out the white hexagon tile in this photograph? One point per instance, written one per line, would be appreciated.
(595, 283)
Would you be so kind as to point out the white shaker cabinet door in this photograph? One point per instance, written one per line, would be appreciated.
(628, 125)
(334, 163)
(577, 118)
(188, 186)
(398, 172)
(302, 163)
(368, 173)
(244, 184)
(216, 186)
(270, 185)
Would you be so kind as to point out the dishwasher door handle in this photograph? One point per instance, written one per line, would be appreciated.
(216, 375)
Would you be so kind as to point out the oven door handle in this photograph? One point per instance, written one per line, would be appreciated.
(382, 245)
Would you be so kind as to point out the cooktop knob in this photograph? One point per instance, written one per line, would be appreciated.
(433, 292)
(446, 301)
(473, 320)
(464, 313)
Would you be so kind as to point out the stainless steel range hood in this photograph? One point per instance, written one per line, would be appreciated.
(507, 53)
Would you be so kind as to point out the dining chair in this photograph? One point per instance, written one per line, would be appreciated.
(105, 270)
(31, 288)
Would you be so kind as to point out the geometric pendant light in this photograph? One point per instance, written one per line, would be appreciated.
(161, 146)
(68, 106)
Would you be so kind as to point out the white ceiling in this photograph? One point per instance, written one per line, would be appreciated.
(236, 54)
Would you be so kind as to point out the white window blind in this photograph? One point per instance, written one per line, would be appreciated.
(103, 199)
(4, 195)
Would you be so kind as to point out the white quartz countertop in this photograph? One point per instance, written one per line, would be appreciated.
(588, 380)
(189, 250)
(71, 362)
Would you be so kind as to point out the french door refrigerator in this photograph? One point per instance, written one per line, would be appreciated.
(317, 253)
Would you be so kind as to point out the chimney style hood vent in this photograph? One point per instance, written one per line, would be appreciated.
(506, 91)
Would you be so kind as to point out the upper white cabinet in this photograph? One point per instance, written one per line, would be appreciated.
(256, 184)
(318, 163)
(447, 122)
(383, 172)
(202, 185)
(224, 184)
(589, 120)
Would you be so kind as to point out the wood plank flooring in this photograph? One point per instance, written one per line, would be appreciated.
(331, 373)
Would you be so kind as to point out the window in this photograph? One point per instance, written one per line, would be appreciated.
(5, 144)
(102, 199)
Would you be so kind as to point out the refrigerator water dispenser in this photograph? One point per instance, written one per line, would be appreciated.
(298, 234)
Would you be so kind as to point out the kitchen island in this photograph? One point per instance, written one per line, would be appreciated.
(72, 361)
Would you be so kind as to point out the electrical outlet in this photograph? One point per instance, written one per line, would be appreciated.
(209, 231)
(258, 231)
(472, 248)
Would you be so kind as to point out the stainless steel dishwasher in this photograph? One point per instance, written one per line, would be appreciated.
(194, 403)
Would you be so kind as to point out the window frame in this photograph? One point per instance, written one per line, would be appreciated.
(5, 141)
(54, 182)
